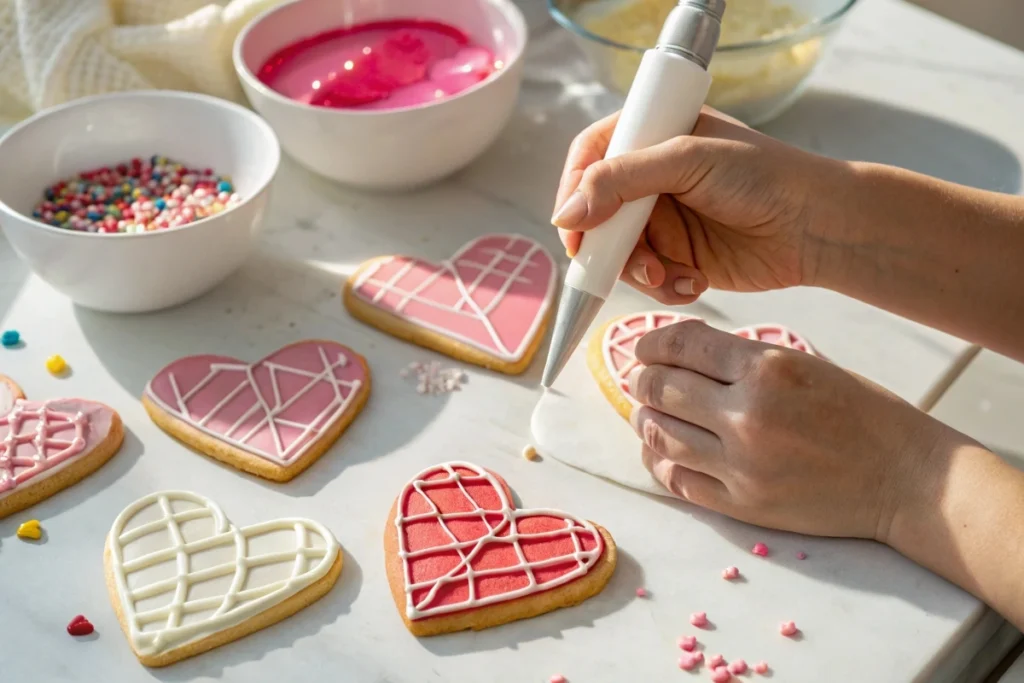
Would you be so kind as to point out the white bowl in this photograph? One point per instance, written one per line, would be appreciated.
(389, 149)
(146, 271)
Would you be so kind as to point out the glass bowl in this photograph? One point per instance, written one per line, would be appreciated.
(767, 51)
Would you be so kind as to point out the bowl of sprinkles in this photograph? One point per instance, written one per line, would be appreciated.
(136, 201)
(384, 95)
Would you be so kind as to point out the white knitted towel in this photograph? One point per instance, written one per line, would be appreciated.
(53, 51)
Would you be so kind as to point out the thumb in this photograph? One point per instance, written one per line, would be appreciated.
(672, 167)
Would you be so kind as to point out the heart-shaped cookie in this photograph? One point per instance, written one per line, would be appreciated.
(9, 393)
(610, 354)
(184, 580)
(488, 305)
(272, 418)
(459, 555)
(47, 446)
(779, 335)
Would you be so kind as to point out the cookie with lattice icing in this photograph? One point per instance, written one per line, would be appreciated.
(47, 446)
(9, 393)
(610, 353)
(272, 418)
(183, 579)
(460, 555)
(489, 304)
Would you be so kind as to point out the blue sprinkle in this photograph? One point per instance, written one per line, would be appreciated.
(93, 216)
(160, 204)
(36, 214)
(223, 186)
(10, 338)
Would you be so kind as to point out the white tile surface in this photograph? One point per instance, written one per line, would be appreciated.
(892, 92)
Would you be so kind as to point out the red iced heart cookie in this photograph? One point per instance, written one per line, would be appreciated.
(778, 335)
(47, 446)
(272, 418)
(488, 304)
(610, 353)
(460, 555)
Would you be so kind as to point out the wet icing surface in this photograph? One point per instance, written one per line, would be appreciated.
(379, 65)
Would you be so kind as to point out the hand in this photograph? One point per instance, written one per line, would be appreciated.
(777, 437)
(738, 209)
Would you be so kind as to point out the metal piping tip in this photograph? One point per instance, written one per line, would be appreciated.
(576, 310)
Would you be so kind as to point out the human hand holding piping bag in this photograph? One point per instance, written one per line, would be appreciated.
(780, 438)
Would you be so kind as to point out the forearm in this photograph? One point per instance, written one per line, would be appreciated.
(966, 523)
(945, 255)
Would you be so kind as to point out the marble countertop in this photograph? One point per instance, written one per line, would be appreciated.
(892, 91)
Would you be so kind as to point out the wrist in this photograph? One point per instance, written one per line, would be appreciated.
(836, 194)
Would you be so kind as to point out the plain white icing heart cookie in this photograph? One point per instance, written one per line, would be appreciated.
(183, 579)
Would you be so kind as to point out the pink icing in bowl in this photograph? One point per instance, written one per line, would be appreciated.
(379, 65)
(379, 140)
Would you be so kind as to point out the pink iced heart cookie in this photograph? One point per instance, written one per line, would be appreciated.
(488, 304)
(779, 335)
(272, 418)
(47, 446)
(610, 354)
(459, 555)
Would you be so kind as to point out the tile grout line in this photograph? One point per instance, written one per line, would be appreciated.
(943, 384)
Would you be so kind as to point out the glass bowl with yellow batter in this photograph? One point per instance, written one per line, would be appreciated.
(767, 50)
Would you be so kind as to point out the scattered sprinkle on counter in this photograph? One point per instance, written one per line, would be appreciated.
(760, 549)
(688, 643)
(80, 626)
(10, 338)
(530, 453)
(699, 619)
(730, 573)
(642, 593)
(30, 530)
(788, 629)
(135, 196)
(56, 364)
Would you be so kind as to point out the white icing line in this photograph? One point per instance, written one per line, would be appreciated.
(235, 605)
(610, 342)
(17, 469)
(585, 559)
(450, 266)
(284, 456)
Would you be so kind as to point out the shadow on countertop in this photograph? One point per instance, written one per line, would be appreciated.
(847, 127)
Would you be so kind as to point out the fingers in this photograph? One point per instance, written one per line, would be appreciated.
(644, 270)
(700, 348)
(671, 167)
(588, 147)
(681, 442)
(695, 487)
(680, 285)
(681, 393)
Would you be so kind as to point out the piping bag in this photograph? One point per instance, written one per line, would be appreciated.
(664, 102)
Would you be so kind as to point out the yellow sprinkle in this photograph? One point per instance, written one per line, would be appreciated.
(137, 192)
(56, 364)
(530, 453)
(30, 530)
(61, 216)
(217, 207)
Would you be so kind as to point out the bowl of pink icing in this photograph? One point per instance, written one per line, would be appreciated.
(384, 95)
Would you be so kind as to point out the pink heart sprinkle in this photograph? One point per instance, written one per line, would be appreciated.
(760, 549)
(688, 643)
(688, 661)
(730, 573)
(788, 628)
(738, 667)
(721, 675)
(715, 661)
(761, 667)
(699, 619)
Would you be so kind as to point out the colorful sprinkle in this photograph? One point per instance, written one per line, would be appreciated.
(738, 667)
(761, 667)
(558, 678)
(530, 453)
(10, 338)
(135, 196)
(760, 549)
(730, 573)
(699, 619)
(721, 675)
(788, 628)
(641, 592)
(688, 643)
(30, 530)
(715, 661)
(80, 626)
(801, 555)
(56, 364)
(688, 661)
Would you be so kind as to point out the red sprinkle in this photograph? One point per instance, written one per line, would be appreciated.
(801, 555)
(80, 626)
(760, 549)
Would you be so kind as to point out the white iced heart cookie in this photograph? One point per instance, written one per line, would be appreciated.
(183, 579)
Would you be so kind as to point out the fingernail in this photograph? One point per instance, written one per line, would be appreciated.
(685, 286)
(640, 275)
(572, 211)
(632, 378)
